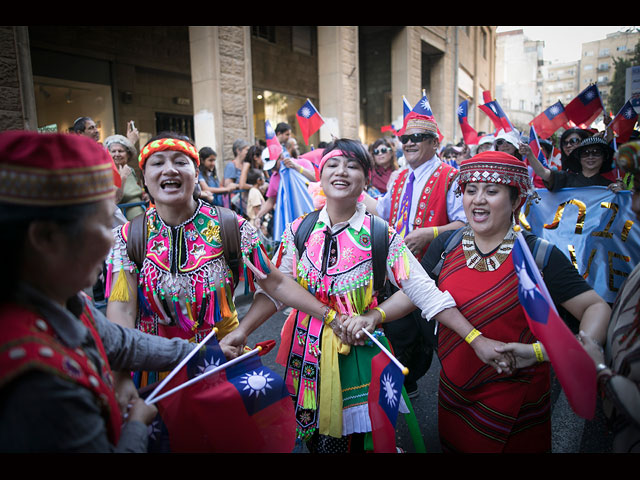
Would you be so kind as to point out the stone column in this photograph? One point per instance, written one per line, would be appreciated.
(221, 78)
(339, 82)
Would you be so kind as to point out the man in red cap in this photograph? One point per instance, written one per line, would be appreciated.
(57, 351)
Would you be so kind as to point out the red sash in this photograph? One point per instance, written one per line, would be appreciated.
(27, 342)
(432, 207)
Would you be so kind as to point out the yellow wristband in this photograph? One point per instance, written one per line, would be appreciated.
(471, 336)
(301, 170)
(382, 314)
(329, 315)
(537, 348)
(435, 232)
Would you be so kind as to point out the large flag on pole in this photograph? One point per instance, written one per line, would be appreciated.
(240, 406)
(586, 107)
(573, 366)
(497, 115)
(309, 120)
(549, 121)
(624, 122)
(469, 134)
(423, 107)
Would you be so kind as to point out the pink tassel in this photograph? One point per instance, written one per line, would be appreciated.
(107, 281)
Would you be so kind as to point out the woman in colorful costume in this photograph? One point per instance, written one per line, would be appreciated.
(618, 364)
(57, 351)
(328, 369)
(184, 283)
(480, 410)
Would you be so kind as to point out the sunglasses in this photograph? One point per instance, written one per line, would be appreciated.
(571, 141)
(381, 150)
(595, 152)
(415, 137)
(501, 142)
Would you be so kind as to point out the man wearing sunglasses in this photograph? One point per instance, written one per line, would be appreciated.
(420, 204)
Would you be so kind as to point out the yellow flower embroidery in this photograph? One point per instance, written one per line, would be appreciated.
(212, 232)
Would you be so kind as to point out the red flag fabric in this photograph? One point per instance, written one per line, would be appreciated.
(549, 121)
(309, 120)
(244, 408)
(624, 122)
(586, 107)
(571, 363)
(273, 145)
(385, 393)
(469, 134)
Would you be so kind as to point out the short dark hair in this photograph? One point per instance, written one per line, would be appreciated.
(253, 175)
(282, 127)
(353, 149)
(80, 124)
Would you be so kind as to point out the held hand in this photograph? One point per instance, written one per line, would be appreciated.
(142, 412)
(353, 327)
(525, 150)
(616, 187)
(232, 186)
(485, 349)
(132, 133)
(523, 354)
(233, 344)
(337, 325)
(592, 347)
(124, 171)
(125, 390)
(289, 163)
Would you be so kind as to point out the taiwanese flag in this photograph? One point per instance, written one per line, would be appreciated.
(469, 134)
(497, 116)
(573, 366)
(244, 408)
(423, 107)
(385, 394)
(273, 145)
(534, 144)
(309, 120)
(586, 107)
(406, 107)
(549, 121)
(624, 122)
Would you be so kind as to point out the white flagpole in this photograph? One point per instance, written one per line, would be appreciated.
(404, 369)
(214, 331)
(206, 374)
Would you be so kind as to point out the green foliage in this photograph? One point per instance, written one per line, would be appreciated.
(616, 98)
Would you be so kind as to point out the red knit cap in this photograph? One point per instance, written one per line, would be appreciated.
(51, 169)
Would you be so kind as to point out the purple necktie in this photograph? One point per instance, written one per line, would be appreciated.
(402, 224)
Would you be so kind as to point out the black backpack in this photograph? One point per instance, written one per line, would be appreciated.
(379, 244)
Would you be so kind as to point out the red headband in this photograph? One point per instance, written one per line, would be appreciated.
(168, 144)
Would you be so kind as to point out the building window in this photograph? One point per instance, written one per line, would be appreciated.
(302, 39)
(621, 48)
(588, 53)
(588, 67)
(169, 122)
(604, 52)
(264, 32)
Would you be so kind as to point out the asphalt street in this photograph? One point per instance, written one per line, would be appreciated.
(571, 434)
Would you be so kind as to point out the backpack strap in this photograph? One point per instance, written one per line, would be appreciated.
(379, 251)
(230, 234)
(136, 241)
(452, 242)
(540, 251)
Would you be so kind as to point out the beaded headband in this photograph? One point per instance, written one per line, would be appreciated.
(163, 144)
(497, 167)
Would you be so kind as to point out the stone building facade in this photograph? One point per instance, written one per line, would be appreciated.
(220, 83)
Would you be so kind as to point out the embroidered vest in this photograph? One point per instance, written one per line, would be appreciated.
(28, 343)
(432, 206)
(184, 278)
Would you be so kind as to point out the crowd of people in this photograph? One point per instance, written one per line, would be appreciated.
(411, 240)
